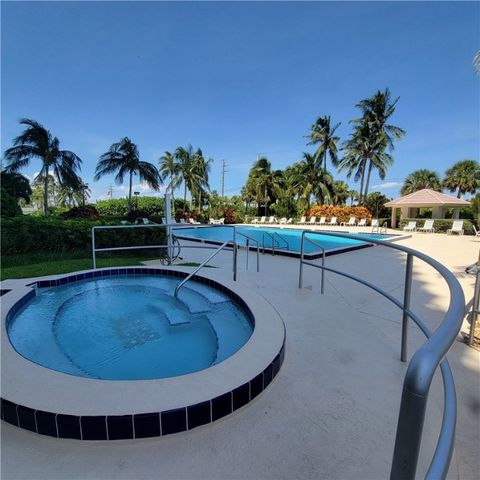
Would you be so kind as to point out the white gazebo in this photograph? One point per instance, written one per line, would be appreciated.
(426, 198)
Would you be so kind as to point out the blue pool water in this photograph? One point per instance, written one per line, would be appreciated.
(129, 328)
(284, 237)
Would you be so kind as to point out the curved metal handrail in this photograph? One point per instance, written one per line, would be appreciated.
(421, 369)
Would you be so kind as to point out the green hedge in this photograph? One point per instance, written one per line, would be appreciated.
(34, 234)
(440, 225)
(119, 206)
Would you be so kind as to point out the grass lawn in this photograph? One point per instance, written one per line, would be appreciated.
(24, 266)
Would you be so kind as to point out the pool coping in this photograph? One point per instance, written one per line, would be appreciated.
(61, 405)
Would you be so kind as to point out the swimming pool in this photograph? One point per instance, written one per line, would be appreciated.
(286, 240)
(129, 327)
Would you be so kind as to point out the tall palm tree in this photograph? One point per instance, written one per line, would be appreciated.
(123, 159)
(353, 195)
(307, 179)
(71, 197)
(193, 169)
(464, 176)
(37, 142)
(324, 134)
(341, 193)
(420, 179)
(170, 168)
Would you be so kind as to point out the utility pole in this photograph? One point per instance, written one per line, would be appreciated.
(223, 176)
(110, 192)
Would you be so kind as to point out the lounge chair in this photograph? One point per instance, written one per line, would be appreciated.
(262, 220)
(350, 223)
(427, 227)
(283, 221)
(193, 222)
(182, 221)
(312, 220)
(362, 222)
(476, 232)
(332, 222)
(322, 221)
(457, 227)
(142, 221)
(303, 221)
(272, 219)
(290, 221)
(255, 220)
(411, 227)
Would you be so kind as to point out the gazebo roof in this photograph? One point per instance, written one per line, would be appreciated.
(427, 198)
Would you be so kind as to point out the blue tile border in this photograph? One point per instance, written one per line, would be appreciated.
(140, 425)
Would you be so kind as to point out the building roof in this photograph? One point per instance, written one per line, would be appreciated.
(427, 198)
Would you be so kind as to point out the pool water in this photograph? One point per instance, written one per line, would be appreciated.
(286, 239)
(129, 327)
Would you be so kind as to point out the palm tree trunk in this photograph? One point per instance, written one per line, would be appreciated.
(459, 194)
(370, 166)
(130, 194)
(360, 196)
(185, 198)
(45, 193)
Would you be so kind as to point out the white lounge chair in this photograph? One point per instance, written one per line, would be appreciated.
(255, 220)
(350, 223)
(142, 221)
(427, 227)
(332, 222)
(262, 220)
(322, 221)
(283, 221)
(312, 220)
(272, 219)
(303, 221)
(290, 221)
(182, 221)
(476, 232)
(193, 222)
(362, 222)
(457, 227)
(411, 227)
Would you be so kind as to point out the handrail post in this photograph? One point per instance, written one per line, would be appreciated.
(273, 244)
(300, 275)
(475, 308)
(248, 250)
(235, 253)
(93, 249)
(258, 257)
(406, 305)
(322, 287)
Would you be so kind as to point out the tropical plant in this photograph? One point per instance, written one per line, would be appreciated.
(16, 185)
(464, 176)
(341, 193)
(375, 202)
(420, 179)
(169, 168)
(353, 195)
(306, 179)
(37, 142)
(123, 159)
(475, 201)
(323, 133)
(67, 196)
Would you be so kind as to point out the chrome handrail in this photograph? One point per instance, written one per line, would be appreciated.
(273, 241)
(421, 368)
(283, 238)
(218, 250)
(248, 247)
(303, 262)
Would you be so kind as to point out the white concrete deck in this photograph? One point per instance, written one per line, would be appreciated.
(332, 410)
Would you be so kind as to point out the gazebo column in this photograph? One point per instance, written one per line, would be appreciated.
(438, 212)
(456, 213)
(394, 217)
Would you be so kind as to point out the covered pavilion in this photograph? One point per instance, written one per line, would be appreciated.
(426, 198)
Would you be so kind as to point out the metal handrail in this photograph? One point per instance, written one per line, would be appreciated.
(248, 247)
(273, 241)
(283, 238)
(421, 368)
(303, 262)
(218, 250)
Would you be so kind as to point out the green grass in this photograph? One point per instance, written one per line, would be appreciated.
(25, 266)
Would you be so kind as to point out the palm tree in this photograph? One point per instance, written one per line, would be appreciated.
(305, 178)
(341, 192)
(123, 158)
(37, 142)
(323, 133)
(70, 197)
(353, 195)
(464, 175)
(169, 168)
(420, 179)
(201, 168)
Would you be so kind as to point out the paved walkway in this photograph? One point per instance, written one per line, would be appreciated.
(331, 412)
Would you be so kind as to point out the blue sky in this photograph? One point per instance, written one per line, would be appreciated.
(240, 79)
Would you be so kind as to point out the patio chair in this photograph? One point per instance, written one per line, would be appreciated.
(411, 227)
(142, 221)
(283, 221)
(362, 222)
(427, 227)
(476, 233)
(332, 222)
(290, 221)
(262, 220)
(193, 222)
(182, 221)
(322, 221)
(457, 227)
(350, 223)
(312, 220)
(272, 219)
(303, 221)
(255, 220)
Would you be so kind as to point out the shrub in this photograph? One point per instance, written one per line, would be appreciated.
(343, 214)
(88, 211)
(119, 206)
(34, 234)
(441, 225)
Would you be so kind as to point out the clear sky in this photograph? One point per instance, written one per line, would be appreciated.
(240, 79)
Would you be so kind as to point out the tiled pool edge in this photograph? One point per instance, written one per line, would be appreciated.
(137, 425)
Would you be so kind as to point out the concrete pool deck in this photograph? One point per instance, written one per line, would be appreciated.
(332, 410)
